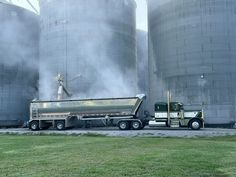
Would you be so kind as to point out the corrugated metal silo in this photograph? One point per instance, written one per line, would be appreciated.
(192, 54)
(94, 39)
(142, 66)
(18, 63)
(142, 61)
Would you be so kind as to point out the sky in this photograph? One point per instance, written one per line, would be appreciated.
(141, 11)
(142, 14)
(24, 3)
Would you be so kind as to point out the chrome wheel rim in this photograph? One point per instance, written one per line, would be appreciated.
(195, 125)
(136, 125)
(34, 126)
(123, 125)
(60, 126)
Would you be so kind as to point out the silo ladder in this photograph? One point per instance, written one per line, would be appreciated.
(35, 113)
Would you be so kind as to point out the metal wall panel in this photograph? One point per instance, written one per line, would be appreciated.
(95, 39)
(142, 67)
(193, 48)
(18, 63)
(142, 61)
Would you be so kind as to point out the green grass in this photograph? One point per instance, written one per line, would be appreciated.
(69, 156)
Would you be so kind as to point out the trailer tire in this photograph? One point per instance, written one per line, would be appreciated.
(34, 125)
(60, 125)
(124, 125)
(195, 124)
(136, 125)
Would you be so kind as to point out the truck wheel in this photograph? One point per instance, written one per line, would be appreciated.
(195, 124)
(34, 125)
(124, 125)
(60, 125)
(136, 125)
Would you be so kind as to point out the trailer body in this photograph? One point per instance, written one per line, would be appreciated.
(62, 114)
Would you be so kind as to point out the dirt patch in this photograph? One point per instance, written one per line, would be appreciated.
(147, 132)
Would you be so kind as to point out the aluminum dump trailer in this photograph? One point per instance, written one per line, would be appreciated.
(64, 113)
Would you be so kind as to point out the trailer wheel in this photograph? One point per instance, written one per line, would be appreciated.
(136, 125)
(124, 125)
(60, 125)
(195, 124)
(34, 125)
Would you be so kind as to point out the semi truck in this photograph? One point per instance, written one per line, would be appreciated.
(173, 115)
(121, 112)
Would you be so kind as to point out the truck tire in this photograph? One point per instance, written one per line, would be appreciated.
(34, 125)
(136, 125)
(195, 124)
(60, 125)
(124, 125)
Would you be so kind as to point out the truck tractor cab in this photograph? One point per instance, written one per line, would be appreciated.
(174, 115)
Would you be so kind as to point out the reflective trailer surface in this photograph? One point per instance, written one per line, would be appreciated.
(103, 106)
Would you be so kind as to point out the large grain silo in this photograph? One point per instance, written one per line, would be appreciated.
(92, 44)
(142, 61)
(142, 67)
(18, 63)
(192, 54)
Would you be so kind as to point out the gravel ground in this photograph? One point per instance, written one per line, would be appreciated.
(147, 132)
